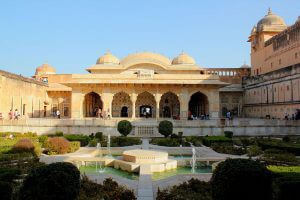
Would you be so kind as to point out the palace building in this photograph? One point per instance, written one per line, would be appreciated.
(152, 86)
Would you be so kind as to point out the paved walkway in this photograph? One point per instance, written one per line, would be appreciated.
(145, 188)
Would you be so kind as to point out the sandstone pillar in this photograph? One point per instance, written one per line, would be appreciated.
(133, 98)
(157, 100)
(184, 104)
(76, 104)
(214, 103)
(107, 98)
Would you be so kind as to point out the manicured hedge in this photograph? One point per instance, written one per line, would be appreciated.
(83, 139)
(288, 147)
(283, 169)
(209, 140)
(125, 141)
(9, 174)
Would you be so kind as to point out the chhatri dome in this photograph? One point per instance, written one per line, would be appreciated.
(183, 59)
(108, 58)
(45, 69)
(270, 20)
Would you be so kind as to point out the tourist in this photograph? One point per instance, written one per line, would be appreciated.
(16, 114)
(58, 114)
(11, 114)
(228, 115)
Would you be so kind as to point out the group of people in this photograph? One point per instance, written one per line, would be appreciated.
(295, 116)
(14, 114)
(201, 117)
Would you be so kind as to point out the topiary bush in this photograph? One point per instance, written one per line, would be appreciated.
(228, 134)
(58, 145)
(124, 127)
(59, 181)
(241, 179)
(165, 128)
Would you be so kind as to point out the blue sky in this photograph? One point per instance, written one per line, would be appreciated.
(71, 34)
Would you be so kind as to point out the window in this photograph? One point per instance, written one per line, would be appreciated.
(279, 61)
(296, 55)
(66, 111)
(288, 88)
(271, 65)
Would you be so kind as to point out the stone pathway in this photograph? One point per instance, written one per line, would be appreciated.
(145, 144)
(145, 188)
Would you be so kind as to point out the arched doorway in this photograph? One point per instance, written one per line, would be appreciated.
(198, 105)
(121, 103)
(169, 106)
(124, 111)
(145, 105)
(91, 104)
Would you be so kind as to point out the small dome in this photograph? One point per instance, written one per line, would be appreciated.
(108, 58)
(270, 20)
(183, 59)
(45, 69)
(245, 66)
(145, 56)
(253, 31)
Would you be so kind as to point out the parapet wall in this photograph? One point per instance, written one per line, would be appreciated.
(142, 128)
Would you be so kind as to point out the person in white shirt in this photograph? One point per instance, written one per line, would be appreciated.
(58, 114)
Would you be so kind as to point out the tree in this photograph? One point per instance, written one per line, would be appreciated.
(165, 128)
(124, 127)
(241, 179)
(59, 181)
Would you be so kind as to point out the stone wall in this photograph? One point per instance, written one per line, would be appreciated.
(247, 126)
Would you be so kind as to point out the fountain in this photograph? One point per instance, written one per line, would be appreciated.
(193, 160)
(101, 168)
(108, 146)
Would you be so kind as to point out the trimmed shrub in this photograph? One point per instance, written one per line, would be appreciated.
(43, 140)
(24, 145)
(283, 169)
(93, 142)
(74, 146)
(276, 155)
(58, 145)
(124, 127)
(228, 149)
(165, 128)
(125, 141)
(209, 140)
(83, 139)
(254, 150)
(192, 189)
(272, 144)
(59, 133)
(58, 181)
(6, 190)
(228, 134)
(99, 136)
(109, 190)
(168, 142)
(241, 179)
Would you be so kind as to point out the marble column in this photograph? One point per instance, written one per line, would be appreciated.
(214, 104)
(157, 100)
(184, 104)
(133, 98)
(76, 104)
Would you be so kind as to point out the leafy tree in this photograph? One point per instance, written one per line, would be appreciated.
(124, 127)
(241, 179)
(165, 128)
(59, 181)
